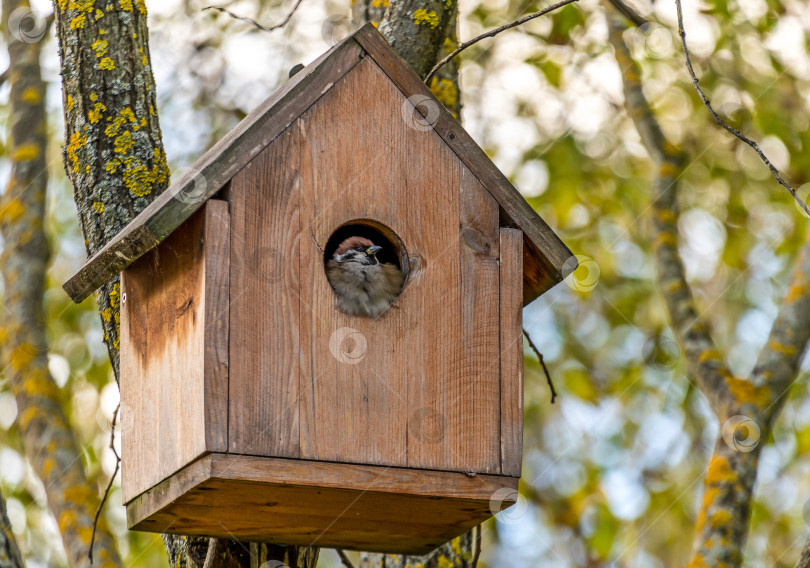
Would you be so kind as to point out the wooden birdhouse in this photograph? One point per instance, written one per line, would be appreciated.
(254, 407)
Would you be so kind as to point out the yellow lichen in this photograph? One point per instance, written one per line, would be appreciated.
(720, 518)
(422, 17)
(98, 206)
(744, 392)
(100, 47)
(124, 142)
(77, 22)
(76, 142)
(11, 211)
(96, 113)
(26, 152)
(106, 64)
(782, 348)
(32, 96)
(720, 472)
(446, 91)
(380, 3)
(70, 103)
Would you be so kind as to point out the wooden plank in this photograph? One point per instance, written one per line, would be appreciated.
(317, 503)
(354, 409)
(218, 165)
(164, 315)
(552, 255)
(217, 239)
(511, 359)
(479, 379)
(406, 397)
(264, 307)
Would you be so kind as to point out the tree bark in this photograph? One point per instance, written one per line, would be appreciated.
(10, 556)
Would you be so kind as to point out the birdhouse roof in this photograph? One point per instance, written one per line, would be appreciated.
(546, 260)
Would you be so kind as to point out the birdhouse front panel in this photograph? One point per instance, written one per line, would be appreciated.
(420, 385)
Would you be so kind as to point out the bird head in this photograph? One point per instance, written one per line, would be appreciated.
(357, 249)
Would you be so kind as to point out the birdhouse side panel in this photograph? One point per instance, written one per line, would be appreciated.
(264, 303)
(511, 351)
(418, 387)
(173, 380)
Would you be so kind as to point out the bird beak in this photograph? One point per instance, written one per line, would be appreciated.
(372, 250)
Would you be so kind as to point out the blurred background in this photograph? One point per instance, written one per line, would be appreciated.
(613, 470)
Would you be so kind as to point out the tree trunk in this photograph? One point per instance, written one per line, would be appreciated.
(46, 433)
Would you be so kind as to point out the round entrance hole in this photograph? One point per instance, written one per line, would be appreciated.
(391, 252)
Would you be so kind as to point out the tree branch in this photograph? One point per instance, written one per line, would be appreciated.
(494, 32)
(253, 22)
(629, 13)
(543, 364)
(724, 124)
(700, 350)
(344, 559)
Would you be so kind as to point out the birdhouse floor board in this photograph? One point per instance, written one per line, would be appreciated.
(310, 503)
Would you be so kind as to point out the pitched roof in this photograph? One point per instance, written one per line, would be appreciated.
(546, 259)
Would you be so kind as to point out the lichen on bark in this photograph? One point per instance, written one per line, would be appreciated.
(113, 153)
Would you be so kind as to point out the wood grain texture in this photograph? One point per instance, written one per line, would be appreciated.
(393, 391)
(316, 503)
(478, 380)
(218, 165)
(216, 260)
(172, 392)
(264, 305)
(511, 351)
(553, 257)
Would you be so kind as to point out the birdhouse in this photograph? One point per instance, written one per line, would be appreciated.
(254, 407)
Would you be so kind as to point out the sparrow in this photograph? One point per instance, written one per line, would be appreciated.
(364, 286)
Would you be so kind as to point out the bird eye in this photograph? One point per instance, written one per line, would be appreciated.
(359, 249)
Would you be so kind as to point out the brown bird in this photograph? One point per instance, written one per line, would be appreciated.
(364, 286)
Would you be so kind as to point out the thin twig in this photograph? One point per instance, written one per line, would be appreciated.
(344, 559)
(494, 32)
(477, 554)
(109, 485)
(723, 123)
(629, 13)
(253, 22)
(543, 364)
(100, 506)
